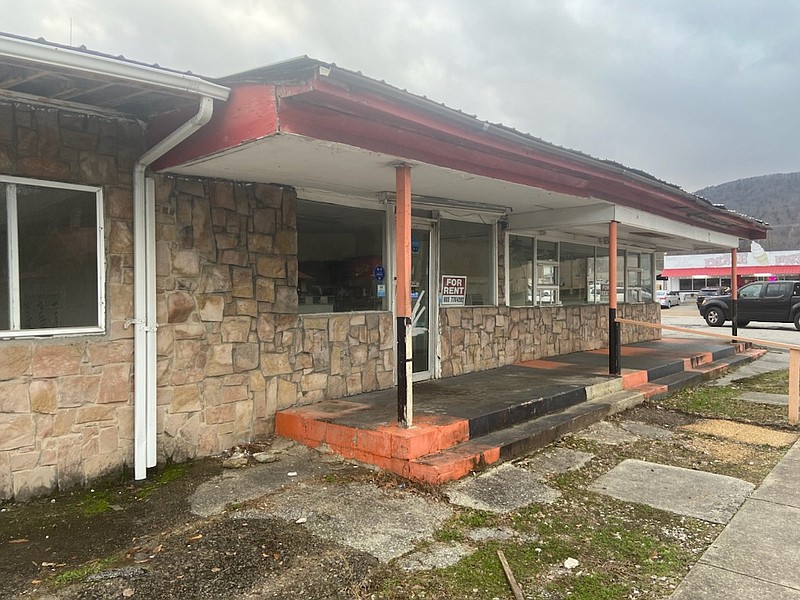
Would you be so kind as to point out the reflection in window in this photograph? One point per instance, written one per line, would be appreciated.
(520, 270)
(639, 279)
(50, 276)
(599, 277)
(468, 249)
(338, 251)
(576, 263)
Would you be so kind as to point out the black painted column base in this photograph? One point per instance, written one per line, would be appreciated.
(614, 346)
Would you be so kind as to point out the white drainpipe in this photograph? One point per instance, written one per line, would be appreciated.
(144, 282)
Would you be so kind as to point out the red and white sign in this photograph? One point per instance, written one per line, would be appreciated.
(454, 290)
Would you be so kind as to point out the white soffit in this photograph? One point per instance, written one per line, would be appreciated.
(317, 164)
(648, 229)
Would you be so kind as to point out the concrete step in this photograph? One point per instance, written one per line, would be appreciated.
(442, 447)
(538, 407)
(504, 444)
(519, 439)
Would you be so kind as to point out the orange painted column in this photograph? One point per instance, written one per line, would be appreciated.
(734, 294)
(614, 347)
(403, 295)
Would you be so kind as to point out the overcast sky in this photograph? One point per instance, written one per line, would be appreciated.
(695, 92)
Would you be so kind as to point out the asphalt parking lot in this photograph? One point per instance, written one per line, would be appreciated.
(687, 315)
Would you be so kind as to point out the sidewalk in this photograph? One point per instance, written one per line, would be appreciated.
(757, 555)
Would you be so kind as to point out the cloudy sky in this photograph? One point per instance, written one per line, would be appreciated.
(695, 92)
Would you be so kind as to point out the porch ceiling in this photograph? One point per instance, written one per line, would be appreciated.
(303, 162)
(330, 168)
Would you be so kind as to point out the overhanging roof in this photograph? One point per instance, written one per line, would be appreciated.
(40, 71)
(311, 124)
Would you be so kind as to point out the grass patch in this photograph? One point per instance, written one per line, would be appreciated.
(592, 586)
(775, 382)
(78, 574)
(457, 526)
(723, 403)
(619, 547)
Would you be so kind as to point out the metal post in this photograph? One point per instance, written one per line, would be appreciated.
(403, 296)
(614, 347)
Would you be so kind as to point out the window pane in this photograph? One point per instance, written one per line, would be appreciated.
(5, 318)
(57, 257)
(466, 249)
(520, 270)
(547, 251)
(646, 261)
(598, 281)
(338, 250)
(575, 264)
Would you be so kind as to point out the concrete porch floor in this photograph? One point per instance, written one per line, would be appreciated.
(466, 422)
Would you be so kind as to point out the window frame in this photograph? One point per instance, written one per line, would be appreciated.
(12, 223)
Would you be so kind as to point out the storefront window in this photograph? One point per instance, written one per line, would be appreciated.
(576, 263)
(468, 249)
(520, 270)
(639, 277)
(340, 258)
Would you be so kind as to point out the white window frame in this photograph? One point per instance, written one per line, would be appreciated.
(10, 184)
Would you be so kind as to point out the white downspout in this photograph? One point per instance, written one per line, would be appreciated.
(144, 282)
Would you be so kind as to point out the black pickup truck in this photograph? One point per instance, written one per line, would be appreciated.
(774, 301)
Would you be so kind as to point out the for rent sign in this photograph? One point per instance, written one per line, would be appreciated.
(454, 290)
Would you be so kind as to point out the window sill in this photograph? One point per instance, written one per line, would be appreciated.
(50, 333)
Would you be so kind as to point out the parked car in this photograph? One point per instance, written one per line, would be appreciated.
(772, 301)
(667, 299)
(707, 292)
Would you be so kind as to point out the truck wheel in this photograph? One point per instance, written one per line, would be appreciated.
(715, 317)
(797, 320)
(743, 323)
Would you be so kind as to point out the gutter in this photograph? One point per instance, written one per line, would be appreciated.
(144, 277)
(65, 57)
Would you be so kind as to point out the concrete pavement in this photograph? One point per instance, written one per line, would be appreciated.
(757, 555)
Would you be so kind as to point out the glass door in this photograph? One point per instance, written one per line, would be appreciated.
(423, 302)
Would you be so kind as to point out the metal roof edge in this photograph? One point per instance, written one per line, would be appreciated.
(67, 57)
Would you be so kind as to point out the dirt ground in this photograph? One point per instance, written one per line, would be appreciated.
(145, 543)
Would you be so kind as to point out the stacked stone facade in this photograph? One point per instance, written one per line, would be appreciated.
(480, 338)
(66, 408)
(231, 347)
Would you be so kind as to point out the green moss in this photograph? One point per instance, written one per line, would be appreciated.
(95, 503)
(78, 574)
(171, 472)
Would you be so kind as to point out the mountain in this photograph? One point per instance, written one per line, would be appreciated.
(771, 198)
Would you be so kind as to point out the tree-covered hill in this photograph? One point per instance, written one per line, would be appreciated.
(771, 198)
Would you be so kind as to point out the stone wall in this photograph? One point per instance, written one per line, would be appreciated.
(231, 348)
(344, 354)
(227, 311)
(480, 338)
(66, 408)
